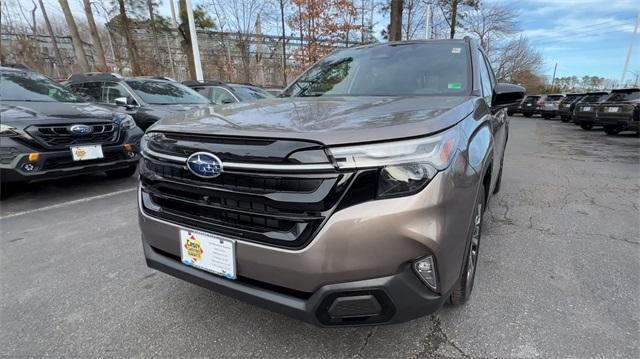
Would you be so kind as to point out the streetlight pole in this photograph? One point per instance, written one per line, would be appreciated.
(633, 39)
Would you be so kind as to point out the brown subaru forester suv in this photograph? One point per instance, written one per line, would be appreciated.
(355, 198)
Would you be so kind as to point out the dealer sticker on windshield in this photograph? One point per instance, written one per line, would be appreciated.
(454, 86)
(209, 252)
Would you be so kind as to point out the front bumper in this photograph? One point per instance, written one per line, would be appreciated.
(400, 297)
(59, 163)
(365, 248)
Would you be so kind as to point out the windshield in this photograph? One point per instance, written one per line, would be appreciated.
(531, 98)
(249, 93)
(402, 69)
(624, 96)
(554, 97)
(30, 86)
(165, 93)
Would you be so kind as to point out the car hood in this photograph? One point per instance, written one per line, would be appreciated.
(23, 113)
(327, 120)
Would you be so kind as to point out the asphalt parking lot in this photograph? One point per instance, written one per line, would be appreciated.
(557, 277)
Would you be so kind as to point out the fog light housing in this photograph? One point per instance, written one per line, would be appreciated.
(28, 167)
(129, 149)
(426, 270)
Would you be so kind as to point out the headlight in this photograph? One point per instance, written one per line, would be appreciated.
(9, 131)
(144, 143)
(125, 121)
(406, 166)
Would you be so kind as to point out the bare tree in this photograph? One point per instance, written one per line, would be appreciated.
(239, 16)
(516, 57)
(453, 10)
(101, 62)
(131, 45)
(491, 23)
(78, 47)
(54, 41)
(395, 25)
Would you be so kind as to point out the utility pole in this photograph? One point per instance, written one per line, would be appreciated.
(553, 81)
(633, 39)
(427, 27)
(194, 42)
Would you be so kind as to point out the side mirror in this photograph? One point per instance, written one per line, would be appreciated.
(506, 95)
(121, 101)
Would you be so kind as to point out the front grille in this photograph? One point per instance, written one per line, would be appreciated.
(278, 209)
(59, 136)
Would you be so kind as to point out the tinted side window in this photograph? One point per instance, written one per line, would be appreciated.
(89, 89)
(113, 90)
(485, 79)
(221, 95)
(204, 91)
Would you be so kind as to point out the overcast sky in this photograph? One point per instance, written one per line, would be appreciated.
(585, 37)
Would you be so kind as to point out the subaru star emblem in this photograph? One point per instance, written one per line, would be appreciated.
(80, 129)
(205, 165)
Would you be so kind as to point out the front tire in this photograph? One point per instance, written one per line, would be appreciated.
(122, 172)
(586, 127)
(527, 114)
(463, 288)
(612, 130)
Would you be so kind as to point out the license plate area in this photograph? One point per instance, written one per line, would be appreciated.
(89, 152)
(209, 252)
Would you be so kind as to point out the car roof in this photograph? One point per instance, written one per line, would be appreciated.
(630, 89)
(110, 76)
(193, 83)
(13, 69)
(597, 93)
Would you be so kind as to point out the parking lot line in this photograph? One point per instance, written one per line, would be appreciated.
(69, 203)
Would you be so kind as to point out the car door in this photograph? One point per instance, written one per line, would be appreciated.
(498, 120)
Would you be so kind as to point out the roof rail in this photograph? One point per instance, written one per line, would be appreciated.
(202, 83)
(95, 76)
(166, 78)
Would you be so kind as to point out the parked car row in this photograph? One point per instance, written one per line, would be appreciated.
(91, 122)
(614, 112)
